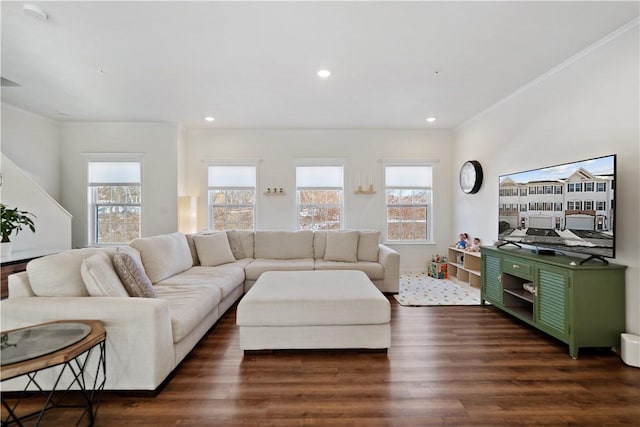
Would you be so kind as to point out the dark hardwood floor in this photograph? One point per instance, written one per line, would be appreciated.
(460, 366)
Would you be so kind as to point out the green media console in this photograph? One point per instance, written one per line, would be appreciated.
(581, 305)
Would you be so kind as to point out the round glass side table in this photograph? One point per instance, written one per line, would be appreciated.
(69, 346)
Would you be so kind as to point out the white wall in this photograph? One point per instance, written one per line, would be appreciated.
(158, 145)
(586, 108)
(181, 160)
(32, 142)
(363, 151)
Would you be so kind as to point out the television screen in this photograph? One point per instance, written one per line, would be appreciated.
(568, 207)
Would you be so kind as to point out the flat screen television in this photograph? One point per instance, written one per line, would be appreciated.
(568, 207)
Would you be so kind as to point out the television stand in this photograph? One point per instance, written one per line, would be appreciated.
(596, 257)
(581, 305)
(506, 242)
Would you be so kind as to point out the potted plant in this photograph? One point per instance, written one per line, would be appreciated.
(13, 220)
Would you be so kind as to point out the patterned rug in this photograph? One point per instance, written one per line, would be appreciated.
(419, 289)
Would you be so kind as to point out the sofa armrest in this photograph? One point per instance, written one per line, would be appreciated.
(140, 352)
(390, 260)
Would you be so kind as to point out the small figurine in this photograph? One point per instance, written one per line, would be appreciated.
(463, 243)
(475, 246)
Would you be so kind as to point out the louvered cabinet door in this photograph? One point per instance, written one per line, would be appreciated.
(491, 279)
(552, 302)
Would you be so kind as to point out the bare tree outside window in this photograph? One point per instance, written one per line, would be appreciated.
(233, 209)
(117, 214)
(232, 197)
(408, 202)
(115, 199)
(319, 209)
(320, 197)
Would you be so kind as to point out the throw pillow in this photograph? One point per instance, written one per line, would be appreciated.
(164, 256)
(368, 246)
(133, 277)
(213, 249)
(235, 244)
(100, 277)
(341, 246)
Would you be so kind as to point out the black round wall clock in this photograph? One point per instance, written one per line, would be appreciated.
(471, 176)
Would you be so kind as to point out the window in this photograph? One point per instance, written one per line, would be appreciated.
(601, 206)
(574, 206)
(601, 186)
(320, 195)
(408, 194)
(588, 205)
(558, 207)
(115, 210)
(574, 187)
(232, 197)
(558, 189)
(588, 186)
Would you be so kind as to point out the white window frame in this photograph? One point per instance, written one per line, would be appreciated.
(321, 163)
(90, 217)
(430, 223)
(210, 188)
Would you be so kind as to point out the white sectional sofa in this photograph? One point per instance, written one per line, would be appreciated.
(193, 279)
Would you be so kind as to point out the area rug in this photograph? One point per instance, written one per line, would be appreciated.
(419, 289)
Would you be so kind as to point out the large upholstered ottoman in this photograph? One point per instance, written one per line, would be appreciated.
(314, 310)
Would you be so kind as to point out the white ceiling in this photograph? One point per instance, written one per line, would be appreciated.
(254, 64)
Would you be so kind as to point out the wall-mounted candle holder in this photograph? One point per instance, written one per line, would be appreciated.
(274, 191)
(361, 190)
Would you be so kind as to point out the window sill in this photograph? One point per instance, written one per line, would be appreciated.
(407, 242)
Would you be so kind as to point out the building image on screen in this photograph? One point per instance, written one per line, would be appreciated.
(568, 207)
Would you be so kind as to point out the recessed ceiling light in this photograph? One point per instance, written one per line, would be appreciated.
(209, 119)
(431, 119)
(323, 74)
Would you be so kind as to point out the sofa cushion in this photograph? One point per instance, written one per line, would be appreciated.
(247, 239)
(226, 277)
(192, 248)
(368, 242)
(260, 265)
(188, 306)
(234, 271)
(373, 270)
(342, 246)
(319, 244)
(100, 277)
(235, 244)
(284, 244)
(164, 255)
(133, 276)
(213, 249)
(58, 275)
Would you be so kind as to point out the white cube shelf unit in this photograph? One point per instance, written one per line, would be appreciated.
(464, 266)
